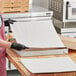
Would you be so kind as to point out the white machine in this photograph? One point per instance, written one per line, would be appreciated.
(69, 32)
(65, 11)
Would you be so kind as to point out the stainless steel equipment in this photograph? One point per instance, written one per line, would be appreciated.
(57, 7)
(64, 10)
(71, 9)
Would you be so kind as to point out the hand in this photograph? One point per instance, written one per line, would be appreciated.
(18, 46)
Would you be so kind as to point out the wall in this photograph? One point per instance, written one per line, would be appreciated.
(42, 3)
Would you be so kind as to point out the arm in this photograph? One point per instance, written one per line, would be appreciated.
(5, 44)
(16, 46)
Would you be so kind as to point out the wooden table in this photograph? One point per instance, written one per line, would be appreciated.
(15, 59)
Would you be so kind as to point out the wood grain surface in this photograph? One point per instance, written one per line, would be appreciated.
(68, 42)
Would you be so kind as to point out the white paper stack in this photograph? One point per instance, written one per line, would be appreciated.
(49, 65)
(38, 34)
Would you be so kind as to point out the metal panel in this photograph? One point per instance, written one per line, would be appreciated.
(57, 7)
